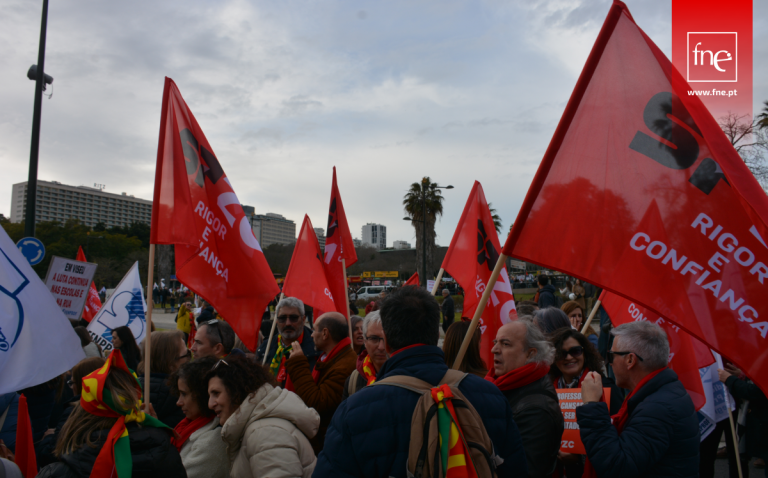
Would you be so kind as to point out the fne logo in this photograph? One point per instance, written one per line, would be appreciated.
(712, 57)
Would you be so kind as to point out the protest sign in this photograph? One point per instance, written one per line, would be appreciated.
(69, 281)
(716, 407)
(570, 400)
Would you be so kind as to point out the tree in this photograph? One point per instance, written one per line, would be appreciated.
(763, 117)
(414, 207)
(496, 218)
(750, 139)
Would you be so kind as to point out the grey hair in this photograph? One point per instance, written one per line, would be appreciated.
(646, 340)
(535, 339)
(290, 302)
(372, 318)
(445, 290)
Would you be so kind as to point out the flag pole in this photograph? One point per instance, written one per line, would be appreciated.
(479, 311)
(346, 300)
(721, 366)
(148, 338)
(591, 316)
(271, 332)
(437, 281)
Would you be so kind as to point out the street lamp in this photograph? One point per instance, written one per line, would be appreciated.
(424, 186)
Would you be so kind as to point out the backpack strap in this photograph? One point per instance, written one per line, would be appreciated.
(451, 378)
(352, 387)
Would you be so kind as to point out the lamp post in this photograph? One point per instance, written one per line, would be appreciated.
(424, 186)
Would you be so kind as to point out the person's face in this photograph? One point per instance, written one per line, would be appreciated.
(219, 401)
(620, 369)
(116, 342)
(357, 334)
(569, 365)
(508, 350)
(375, 344)
(187, 402)
(203, 346)
(290, 323)
(445, 293)
(576, 317)
(321, 337)
(183, 356)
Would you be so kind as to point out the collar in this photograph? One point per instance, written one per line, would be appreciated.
(405, 348)
(420, 357)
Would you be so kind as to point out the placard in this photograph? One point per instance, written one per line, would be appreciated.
(69, 281)
(570, 400)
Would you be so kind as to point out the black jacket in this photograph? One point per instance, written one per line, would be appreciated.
(547, 297)
(757, 415)
(660, 438)
(538, 417)
(151, 450)
(205, 315)
(448, 309)
(161, 399)
(307, 346)
(44, 448)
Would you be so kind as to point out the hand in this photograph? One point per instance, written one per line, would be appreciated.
(49, 431)
(592, 388)
(149, 409)
(575, 322)
(722, 375)
(568, 458)
(6, 453)
(733, 370)
(296, 350)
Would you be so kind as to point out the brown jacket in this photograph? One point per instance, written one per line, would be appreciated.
(325, 395)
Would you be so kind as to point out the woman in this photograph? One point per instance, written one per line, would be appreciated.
(357, 333)
(110, 407)
(472, 362)
(202, 451)
(184, 319)
(370, 361)
(90, 348)
(123, 340)
(169, 352)
(576, 315)
(580, 294)
(266, 429)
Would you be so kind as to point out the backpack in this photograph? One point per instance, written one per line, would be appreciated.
(424, 459)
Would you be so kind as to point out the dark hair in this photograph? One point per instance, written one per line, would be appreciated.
(129, 349)
(543, 279)
(224, 335)
(472, 362)
(338, 329)
(194, 375)
(241, 377)
(550, 319)
(164, 352)
(592, 359)
(355, 319)
(409, 316)
(85, 337)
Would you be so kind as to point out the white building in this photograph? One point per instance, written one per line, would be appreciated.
(401, 245)
(375, 235)
(320, 233)
(271, 228)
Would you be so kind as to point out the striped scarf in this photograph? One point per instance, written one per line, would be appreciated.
(368, 371)
(454, 452)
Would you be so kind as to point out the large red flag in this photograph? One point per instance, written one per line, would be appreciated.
(682, 357)
(651, 201)
(196, 209)
(92, 302)
(470, 261)
(25, 445)
(305, 279)
(413, 280)
(338, 245)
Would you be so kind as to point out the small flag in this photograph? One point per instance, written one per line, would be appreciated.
(305, 278)
(25, 445)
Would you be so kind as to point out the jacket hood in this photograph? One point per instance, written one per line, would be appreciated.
(548, 288)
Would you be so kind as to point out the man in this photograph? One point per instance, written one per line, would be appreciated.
(372, 358)
(206, 313)
(448, 310)
(369, 435)
(521, 358)
(322, 387)
(546, 292)
(214, 338)
(656, 432)
(290, 316)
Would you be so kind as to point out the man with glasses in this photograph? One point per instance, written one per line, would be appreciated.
(370, 361)
(656, 432)
(214, 338)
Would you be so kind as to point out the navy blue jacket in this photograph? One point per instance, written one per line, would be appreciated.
(370, 432)
(660, 437)
(10, 402)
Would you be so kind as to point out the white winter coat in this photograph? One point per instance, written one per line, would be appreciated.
(204, 454)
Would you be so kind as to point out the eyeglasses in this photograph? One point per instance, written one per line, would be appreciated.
(574, 352)
(292, 318)
(611, 354)
(186, 355)
(374, 339)
(221, 361)
(216, 323)
(70, 383)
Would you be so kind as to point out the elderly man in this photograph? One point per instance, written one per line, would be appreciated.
(321, 388)
(214, 338)
(521, 358)
(372, 358)
(448, 310)
(371, 430)
(656, 432)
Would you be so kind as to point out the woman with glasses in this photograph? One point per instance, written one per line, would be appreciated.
(371, 359)
(169, 352)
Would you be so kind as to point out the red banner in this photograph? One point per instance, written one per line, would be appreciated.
(305, 279)
(668, 213)
(92, 302)
(338, 245)
(413, 280)
(196, 209)
(470, 260)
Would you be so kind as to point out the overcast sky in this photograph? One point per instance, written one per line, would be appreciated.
(388, 92)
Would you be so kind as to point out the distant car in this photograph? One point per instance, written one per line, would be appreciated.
(370, 292)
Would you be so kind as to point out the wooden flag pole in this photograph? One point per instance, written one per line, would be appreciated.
(346, 301)
(479, 311)
(733, 431)
(437, 281)
(271, 332)
(591, 316)
(150, 306)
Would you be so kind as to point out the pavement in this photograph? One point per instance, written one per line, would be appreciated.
(162, 320)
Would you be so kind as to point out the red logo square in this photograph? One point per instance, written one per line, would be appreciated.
(712, 57)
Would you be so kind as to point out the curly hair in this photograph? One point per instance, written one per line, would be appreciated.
(194, 375)
(592, 359)
(241, 377)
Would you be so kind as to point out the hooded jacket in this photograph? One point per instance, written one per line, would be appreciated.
(268, 435)
(547, 297)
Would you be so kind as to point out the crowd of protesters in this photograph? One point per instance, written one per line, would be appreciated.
(318, 401)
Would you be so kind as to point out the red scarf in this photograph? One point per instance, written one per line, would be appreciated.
(186, 428)
(345, 342)
(282, 375)
(519, 377)
(620, 419)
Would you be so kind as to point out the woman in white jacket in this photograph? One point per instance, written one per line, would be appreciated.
(266, 429)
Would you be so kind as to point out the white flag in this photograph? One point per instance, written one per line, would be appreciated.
(37, 342)
(125, 307)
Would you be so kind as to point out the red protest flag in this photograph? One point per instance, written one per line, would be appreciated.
(632, 139)
(470, 260)
(305, 279)
(93, 302)
(414, 280)
(80, 254)
(196, 209)
(682, 358)
(338, 245)
(25, 445)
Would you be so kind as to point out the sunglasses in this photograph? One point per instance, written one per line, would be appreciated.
(216, 323)
(292, 318)
(70, 383)
(574, 352)
(611, 354)
(186, 355)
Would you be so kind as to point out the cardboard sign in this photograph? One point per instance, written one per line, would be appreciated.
(570, 399)
(69, 281)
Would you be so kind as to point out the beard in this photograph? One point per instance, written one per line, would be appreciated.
(291, 333)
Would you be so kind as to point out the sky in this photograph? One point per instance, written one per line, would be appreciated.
(388, 92)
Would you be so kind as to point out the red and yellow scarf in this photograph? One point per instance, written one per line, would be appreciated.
(277, 366)
(454, 452)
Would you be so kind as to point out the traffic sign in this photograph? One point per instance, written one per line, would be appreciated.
(32, 249)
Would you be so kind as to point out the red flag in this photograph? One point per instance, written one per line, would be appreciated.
(93, 302)
(470, 261)
(305, 279)
(338, 246)
(682, 358)
(414, 280)
(651, 201)
(25, 445)
(196, 209)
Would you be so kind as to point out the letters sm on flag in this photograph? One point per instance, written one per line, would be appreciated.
(470, 260)
(196, 209)
(305, 278)
(668, 213)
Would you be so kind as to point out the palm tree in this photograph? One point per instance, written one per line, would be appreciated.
(496, 218)
(762, 118)
(414, 206)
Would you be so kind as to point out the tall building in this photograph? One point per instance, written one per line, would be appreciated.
(375, 235)
(59, 202)
(320, 233)
(357, 242)
(401, 245)
(271, 228)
